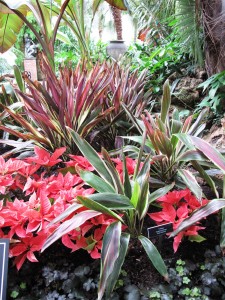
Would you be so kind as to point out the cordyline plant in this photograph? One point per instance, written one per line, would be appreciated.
(73, 100)
(87, 101)
(123, 197)
(125, 87)
(214, 156)
(168, 151)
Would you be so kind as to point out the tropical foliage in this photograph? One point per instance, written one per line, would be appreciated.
(86, 100)
(97, 157)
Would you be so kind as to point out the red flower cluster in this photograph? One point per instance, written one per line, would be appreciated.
(43, 198)
(176, 207)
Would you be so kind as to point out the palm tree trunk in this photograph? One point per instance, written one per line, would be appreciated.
(214, 29)
(117, 17)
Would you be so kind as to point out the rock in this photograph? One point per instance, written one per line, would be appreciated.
(216, 136)
(186, 93)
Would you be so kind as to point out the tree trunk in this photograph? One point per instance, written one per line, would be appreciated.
(117, 17)
(214, 30)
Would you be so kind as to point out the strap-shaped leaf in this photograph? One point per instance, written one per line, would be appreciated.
(154, 256)
(71, 209)
(191, 183)
(144, 170)
(112, 200)
(109, 255)
(166, 101)
(139, 140)
(206, 177)
(92, 156)
(19, 78)
(143, 203)
(160, 192)
(69, 225)
(96, 182)
(210, 152)
(135, 194)
(204, 211)
(191, 155)
(111, 282)
(126, 179)
(113, 172)
(91, 204)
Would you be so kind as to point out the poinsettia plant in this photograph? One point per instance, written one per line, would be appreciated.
(176, 206)
(32, 196)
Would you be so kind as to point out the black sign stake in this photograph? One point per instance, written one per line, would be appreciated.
(4, 254)
(159, 230)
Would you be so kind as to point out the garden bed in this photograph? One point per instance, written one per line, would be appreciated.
(196, 271)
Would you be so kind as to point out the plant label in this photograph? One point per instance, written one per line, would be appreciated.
(159, 230)
(4, 254)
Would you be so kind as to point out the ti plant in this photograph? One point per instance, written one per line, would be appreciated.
(130, 91)
(126, 199)
(85, 100)
(214, 205)
(169, 150)
(74, 100)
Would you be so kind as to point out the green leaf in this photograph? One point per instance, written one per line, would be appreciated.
(196, 238)
(19, 79)
(143, 203)
(144, 171)
(113, 172)
(110, 253)
(210, 152)
(120, 4)
(191, 183)
(205, 176)
(127, 184)
(10, 25)
(154, 256)
(112, 200)
(204, 211)
(136, 194)
(139, 140)
(73, 223)
(160, 192)
(111, 282)
(63, 38)
(191, 155)
(71, 209)
(166, 101)
(176, 127)
(92, 156)
(96, 182)
(91, 204)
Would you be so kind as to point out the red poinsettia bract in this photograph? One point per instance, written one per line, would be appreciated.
(176, 207)
(39, 199)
